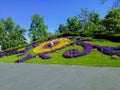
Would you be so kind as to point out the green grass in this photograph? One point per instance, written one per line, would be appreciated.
(94, 58)
(105, 42)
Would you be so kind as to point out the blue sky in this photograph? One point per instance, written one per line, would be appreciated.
(55, 12)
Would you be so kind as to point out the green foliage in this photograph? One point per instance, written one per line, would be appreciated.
(94, 18)
(37, 28)
(11, 35)
(108, 36)
(9, 25)
(45, 38)
(74, 24)
(83, 15)
(116, 4)
(68, 34)
(89, 29)
(86, 23)
(112, 20)
(50, 34)
(88, 16)
(113, 37)
(62, 28)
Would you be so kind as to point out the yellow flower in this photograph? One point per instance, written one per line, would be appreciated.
(61, 42)
(114, 56)
(94, 49)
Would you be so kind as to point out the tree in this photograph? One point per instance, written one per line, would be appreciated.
(50, 34)
(88, 16)
(83, 15)
(90, 28)
(116, 3)
(74, 24)
(2, 32)
(18, 35)
(62, 28)
(94, 18)
(11, 35)
(37, 28)
(112, 20)
(9, 25)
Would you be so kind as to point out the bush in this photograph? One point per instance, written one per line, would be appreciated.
(69, 34)
(111, 37)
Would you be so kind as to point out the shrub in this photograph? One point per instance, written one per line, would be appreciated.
(111, 37)
(69, 34)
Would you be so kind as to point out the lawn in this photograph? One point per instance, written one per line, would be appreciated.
(94, 58)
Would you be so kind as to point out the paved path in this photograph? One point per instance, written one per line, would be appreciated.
(57, 77)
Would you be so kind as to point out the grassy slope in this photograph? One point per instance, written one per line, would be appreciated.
(94, 58)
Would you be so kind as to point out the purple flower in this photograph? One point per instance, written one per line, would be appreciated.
(23, 51)
(51, 39)
(28, 47)
(35, 44)
(10, 52)
(44, 56)
(75, 52)
(108, 50)
(28, 56)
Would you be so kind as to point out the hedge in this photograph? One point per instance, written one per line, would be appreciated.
(111, 37)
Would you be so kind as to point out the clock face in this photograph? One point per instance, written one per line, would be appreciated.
(51, 45)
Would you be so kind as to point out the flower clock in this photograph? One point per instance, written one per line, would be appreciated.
(42, 48)
(48, 46)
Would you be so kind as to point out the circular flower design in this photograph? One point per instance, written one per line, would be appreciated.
(47, 47)
(71, 53)
(75, 52)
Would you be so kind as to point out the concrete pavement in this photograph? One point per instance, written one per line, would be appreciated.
(58, 77)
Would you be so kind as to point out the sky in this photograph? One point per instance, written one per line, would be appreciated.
(55, 12)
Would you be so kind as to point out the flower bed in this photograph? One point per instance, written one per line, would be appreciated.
(88, 47)
(44, 56)
(7, 53)
(108, 50)
(44, 47)
(28, 56)
(75, 52)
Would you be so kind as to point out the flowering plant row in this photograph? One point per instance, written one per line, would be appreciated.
(44, 56)
(88, 47)
(108, 50)
(75, 52)
(7, 53)
(28, 56)
(16, 51)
